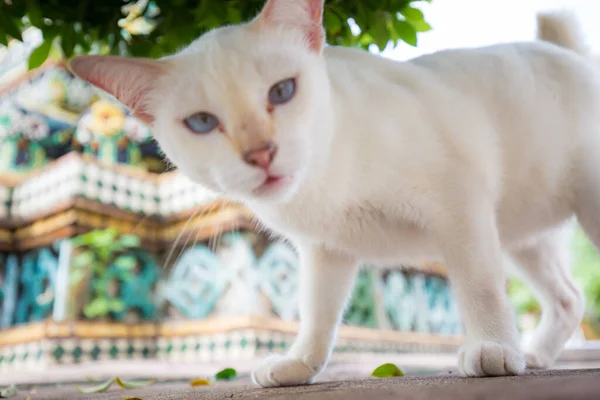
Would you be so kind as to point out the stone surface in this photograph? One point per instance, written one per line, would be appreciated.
(547, 385)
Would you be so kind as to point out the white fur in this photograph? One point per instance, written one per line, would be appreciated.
(465, 156)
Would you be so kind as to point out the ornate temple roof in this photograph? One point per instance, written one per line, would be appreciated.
(48, 112)
(73, 157)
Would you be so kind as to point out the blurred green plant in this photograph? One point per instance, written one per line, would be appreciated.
(522, 298)
(95, 253)
(586, 272)
(160, 27)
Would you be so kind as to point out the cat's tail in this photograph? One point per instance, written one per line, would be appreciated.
(562, 28)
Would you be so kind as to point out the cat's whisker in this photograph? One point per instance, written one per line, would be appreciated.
(207, 211)
(197, 237)
(184, 247)
(140, 222)
(220, 236)
(174, 245)
(215, 238)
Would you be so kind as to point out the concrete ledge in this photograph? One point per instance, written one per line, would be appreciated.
(549, 385)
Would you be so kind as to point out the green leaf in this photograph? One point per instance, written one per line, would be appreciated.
(100, 306)
(84, 259)
(68, 40)
(104, 254)
(406, 32)
(227, 374)
(200, 382)
(100, 285)
(40, 53)
(126, 262)
(126, 276)
(413, 14)
(34, 13)
(76, 276)
(420, 26)
(130, 240)
(332, 21)
(234, 15)
(7, 392)
(387, 371)
(117, 306)
(85, 42)
(103, 238)
(81, 240)
(133, 384)
(380, 33)
(10, 26)
(103, 387)
(3, 39)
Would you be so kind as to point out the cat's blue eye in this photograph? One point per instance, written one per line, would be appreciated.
(282, 92)
(201, 122)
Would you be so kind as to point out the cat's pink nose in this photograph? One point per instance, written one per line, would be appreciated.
(262, 157)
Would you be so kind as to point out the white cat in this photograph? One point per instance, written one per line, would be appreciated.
(464, 156)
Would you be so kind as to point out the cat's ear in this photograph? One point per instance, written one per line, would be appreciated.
(306, 15)
(129, 80)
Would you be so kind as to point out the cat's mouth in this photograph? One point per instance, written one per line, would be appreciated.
(270, 184)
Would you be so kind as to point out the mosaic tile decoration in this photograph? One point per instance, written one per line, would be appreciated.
(234, 280)
(25, 356)
(245, 274)
(9, 278)
(44, 191)
(237, 344)
(5, 199)
(49, 112)
(107, 186)
(74, 176)
(177, 194)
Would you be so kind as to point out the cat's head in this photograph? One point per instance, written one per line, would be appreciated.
(243, 109)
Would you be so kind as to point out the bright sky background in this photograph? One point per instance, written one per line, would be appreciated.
(469, 23)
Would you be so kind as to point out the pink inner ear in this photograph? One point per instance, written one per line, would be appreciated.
(316, 11)
(304, 14)
(293, 10)
(129, 80)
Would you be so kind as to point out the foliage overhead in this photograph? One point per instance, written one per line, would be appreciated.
(160, 27)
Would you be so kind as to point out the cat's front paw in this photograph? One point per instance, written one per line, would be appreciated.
(279, 370)
(485, 358)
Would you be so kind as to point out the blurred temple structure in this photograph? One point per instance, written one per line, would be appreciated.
(108, 255)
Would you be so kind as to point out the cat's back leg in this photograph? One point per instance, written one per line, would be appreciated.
(545, 266)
